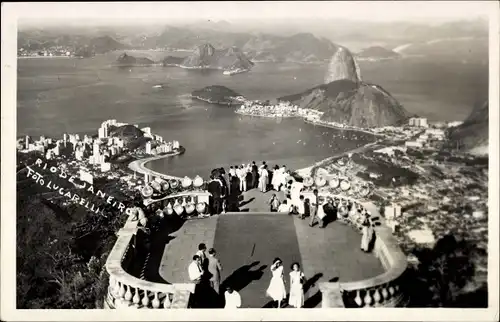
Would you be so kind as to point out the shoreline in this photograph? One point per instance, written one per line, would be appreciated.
(307, 171)
(140, 166)
(342, 128)
(265, 116)
(207, 100)
(39, 57)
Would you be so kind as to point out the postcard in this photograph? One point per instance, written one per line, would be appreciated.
(250, 161)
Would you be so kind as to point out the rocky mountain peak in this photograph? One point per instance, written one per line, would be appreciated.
(206, 50)
(343, 66)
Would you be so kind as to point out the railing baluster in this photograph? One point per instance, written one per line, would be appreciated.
(167, 303)
(368, 299)
(137, 298)
(156, 301)
(358, 299)
(145, 299)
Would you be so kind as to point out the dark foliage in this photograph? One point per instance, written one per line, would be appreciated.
(444, 275)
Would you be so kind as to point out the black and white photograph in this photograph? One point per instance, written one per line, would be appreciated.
(250, 160)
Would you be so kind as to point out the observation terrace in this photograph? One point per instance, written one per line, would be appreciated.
(148, 264)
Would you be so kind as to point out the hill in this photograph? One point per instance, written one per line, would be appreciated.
(377, 53)
(216, 94)
(472, 135)
(343, 66)
(207, 57)
(352, 103)
(98, 45)
(127, 60)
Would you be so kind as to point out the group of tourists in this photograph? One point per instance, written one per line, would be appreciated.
(319, 209)
(205, 272)
(296, 204)
(224, 187)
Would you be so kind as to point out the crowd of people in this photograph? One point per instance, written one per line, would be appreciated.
(225, 186)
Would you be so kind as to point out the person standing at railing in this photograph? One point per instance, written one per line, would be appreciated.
(367, 234)
(263, 179)
(248, 177)
(242, 176)
(255, 175)
(215, 189)
(275, 181)
(313, 202)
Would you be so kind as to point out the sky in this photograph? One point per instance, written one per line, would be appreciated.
(234, 11)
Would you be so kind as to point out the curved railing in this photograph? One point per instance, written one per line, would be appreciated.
(126, 290)
(383, 290)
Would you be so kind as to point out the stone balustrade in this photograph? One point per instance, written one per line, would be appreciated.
(196, 196)
(127, 291)
(379, 291)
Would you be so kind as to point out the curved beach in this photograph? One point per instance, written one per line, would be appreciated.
(140, 166)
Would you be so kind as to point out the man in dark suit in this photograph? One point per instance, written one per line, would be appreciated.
(214, 268)
(215, 189)
(255, 175)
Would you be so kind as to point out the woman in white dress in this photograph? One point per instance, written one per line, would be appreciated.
(367, 234)
(277, 174)
(263, 179)
(297, 280)
(276, 289)
(320, 213)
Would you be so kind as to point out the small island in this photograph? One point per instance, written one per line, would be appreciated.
(217, 94)
(125, 60)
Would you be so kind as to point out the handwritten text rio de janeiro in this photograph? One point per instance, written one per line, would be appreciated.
(74, 197)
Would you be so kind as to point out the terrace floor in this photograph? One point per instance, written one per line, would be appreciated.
(246, 244)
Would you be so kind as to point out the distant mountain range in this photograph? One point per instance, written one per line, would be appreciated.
(454, 40)
(208, 57)
(472, 135)
(303, 47)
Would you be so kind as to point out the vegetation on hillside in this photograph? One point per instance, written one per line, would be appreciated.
(61, 248)
(444, 276)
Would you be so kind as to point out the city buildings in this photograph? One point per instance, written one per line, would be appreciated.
(418, 122)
